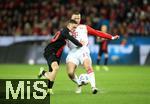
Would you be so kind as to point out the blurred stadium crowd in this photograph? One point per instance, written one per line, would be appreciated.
(43, 17)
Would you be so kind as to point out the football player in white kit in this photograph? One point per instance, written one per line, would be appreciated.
(81, 55)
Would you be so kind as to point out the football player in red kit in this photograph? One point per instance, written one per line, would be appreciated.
(53, 52)
(103, 49)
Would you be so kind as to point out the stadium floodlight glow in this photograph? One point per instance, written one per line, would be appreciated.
(31, 62)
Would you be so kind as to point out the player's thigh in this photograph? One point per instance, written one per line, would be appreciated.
(85, 58)
(52, 61)
(100, 52)
(87, 62)
(73, 58)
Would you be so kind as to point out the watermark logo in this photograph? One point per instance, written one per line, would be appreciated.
(27, 91)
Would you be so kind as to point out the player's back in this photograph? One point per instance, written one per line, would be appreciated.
(56, 43)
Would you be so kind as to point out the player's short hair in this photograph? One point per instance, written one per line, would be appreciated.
(72, 21)
(75, 12)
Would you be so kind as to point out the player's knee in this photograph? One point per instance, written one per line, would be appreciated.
(106, 55)
(98, 57)
(87, 65)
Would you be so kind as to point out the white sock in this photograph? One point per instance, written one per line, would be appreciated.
(76, 80)
(91, 76)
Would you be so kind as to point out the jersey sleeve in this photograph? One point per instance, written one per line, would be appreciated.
(94, 32)
(72, 39)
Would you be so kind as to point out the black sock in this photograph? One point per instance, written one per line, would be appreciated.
(98, 60)
(106, 60)
(50, 84)
(43, 73)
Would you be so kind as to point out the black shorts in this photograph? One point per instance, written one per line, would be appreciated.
(50, 58)
(101, 52)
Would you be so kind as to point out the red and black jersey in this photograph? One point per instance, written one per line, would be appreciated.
(104, 45)
(59, 41)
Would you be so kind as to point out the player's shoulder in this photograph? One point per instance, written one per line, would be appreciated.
(64, 31)
(81, 26)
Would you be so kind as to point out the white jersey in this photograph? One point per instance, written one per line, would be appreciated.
(78, 55)
(81, 34)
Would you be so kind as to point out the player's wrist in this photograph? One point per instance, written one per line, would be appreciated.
(112, 38)
(115, 37)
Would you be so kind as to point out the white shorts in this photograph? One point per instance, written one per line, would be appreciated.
(78, 55)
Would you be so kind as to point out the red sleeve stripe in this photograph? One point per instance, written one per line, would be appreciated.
(59, 52)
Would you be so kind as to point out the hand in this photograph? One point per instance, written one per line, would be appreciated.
(83, 42)
(115, 37)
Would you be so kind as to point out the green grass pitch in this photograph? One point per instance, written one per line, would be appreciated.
(120, 85)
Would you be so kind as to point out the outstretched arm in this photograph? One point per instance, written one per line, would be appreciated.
(94, 32)
(72, 39)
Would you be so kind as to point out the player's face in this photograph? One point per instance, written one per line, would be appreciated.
(73, 27)
(104, 28)
(77, 18)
